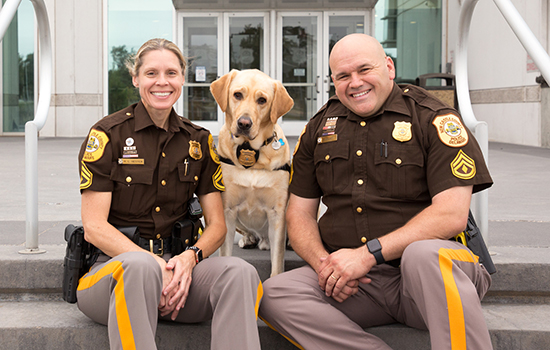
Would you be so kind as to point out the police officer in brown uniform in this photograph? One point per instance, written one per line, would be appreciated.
(396, 169)
(140, 167)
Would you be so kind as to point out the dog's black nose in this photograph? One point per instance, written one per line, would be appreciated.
(244, 123)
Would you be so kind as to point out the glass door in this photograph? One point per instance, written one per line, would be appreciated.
(299, 66)
(215, 43)
(246, 41)
(201, 43)
(339, 25)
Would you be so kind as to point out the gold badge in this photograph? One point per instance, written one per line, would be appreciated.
(195, 150)
(450, 130)
(247, 157)
(213, 151)
(402, 131)
(95, 146)
(463, 166)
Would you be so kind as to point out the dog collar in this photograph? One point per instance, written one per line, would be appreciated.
(248, 156)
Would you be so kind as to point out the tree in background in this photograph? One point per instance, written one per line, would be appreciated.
(122, 92)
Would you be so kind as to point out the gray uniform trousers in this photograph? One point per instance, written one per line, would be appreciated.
(438, 287)
(124, 292)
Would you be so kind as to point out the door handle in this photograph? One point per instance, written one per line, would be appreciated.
(317, 84)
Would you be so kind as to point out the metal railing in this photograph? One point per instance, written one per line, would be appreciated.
(480, 201)
(34, 126)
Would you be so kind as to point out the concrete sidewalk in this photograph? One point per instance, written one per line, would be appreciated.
(519, 201)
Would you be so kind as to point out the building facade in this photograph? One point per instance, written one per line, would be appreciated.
(288, 39)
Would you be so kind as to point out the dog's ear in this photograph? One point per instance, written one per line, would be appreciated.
(220, 89)
(282, 102)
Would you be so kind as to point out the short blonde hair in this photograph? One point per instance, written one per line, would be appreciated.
(135, 64)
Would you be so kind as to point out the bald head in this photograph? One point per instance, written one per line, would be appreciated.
(362, 73)
(356, 43)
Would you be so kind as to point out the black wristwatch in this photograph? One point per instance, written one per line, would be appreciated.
(198, 253)
(375, 249)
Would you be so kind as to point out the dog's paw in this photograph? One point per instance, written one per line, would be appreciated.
(263, 245)
(248, 242)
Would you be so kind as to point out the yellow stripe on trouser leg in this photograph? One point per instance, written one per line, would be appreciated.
(454, 303)
(259, 295)
(115, 269)
(287, 338)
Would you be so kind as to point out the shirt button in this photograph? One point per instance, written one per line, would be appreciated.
(359, 182)
(196, 178)
(362, 123)
(398, 161)
(129, 179)
(163, 155)
(363, 239)
(406, 90)
(359, 209)
(327, 157)
(128, 114)
(359, 153)
(163, 183)
(157, 209)
(158, 236)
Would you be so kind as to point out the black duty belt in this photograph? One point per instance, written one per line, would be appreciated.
(156, 246)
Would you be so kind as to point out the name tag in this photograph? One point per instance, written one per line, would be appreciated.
(329, 138)
(130, 161)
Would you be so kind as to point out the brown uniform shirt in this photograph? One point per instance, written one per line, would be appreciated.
(152, 173)
(374, 174)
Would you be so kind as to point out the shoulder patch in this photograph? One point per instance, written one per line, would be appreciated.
(97, 140)
(450, 130)
(299, 139)
(86, 176)
(463, 167)
(217, 179)
(213, 151)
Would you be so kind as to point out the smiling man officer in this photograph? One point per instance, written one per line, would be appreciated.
(396, 169)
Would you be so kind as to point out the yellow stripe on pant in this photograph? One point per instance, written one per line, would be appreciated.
(259, 295)
(115, 269)
(454, 303)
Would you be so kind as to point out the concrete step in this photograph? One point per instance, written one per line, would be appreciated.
(55, 325)
(523, 272)
(33, 316)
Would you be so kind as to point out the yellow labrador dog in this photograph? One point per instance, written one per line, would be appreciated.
(255, 161)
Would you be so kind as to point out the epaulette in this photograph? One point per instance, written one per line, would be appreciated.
(116, 118)
(423, 97)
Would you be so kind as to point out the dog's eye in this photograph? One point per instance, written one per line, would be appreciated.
(261, 101)
(238, 96)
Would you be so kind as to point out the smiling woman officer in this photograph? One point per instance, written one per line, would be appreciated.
(140, 167)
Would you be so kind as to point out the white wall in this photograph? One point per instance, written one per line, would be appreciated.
(498, 66)
(77, 39)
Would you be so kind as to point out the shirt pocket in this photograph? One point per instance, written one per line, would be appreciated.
(332, 166)
(399, 171)
(132, 189)
(189, 177)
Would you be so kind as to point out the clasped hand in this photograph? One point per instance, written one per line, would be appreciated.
(341, 272)
(176, 280)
